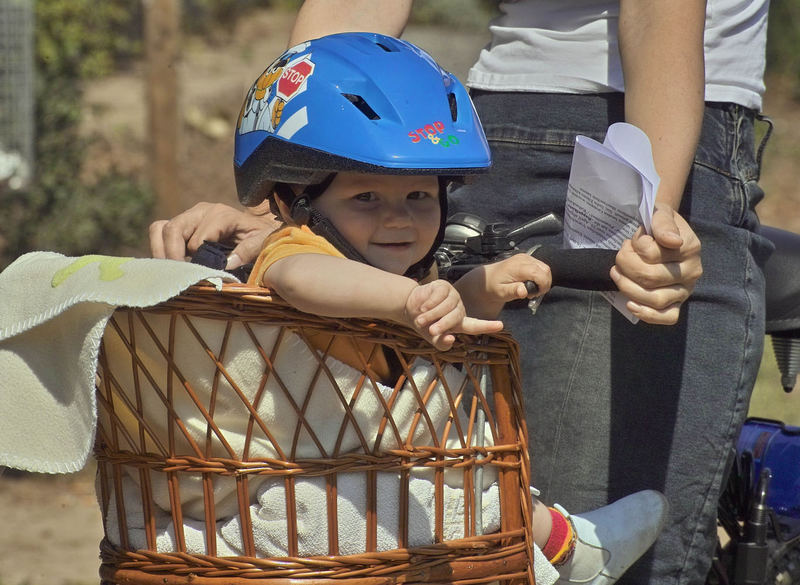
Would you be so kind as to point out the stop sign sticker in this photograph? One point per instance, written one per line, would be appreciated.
(293, 79)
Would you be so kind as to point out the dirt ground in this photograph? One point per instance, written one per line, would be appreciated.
(51, 524)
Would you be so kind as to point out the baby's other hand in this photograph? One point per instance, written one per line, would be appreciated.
(506, 280)
(436, 312)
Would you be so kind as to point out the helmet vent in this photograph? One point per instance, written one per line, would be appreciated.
(384, 47)
(362, 105)
(451, 98)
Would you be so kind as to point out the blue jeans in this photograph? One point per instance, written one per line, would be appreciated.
(612, 407)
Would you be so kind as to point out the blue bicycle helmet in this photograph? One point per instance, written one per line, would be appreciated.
(357, 102)
(360, 102)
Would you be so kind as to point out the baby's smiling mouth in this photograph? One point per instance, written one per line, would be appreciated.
(393, 245)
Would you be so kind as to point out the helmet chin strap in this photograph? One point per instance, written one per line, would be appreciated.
(304, 214)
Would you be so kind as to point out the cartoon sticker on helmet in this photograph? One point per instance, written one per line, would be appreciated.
(267, 78)
(293, 79)
(435, 133)
(280, 83)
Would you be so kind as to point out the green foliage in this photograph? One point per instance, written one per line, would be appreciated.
(75, 40)
(85, 38)
(783, 41)
(94, 219)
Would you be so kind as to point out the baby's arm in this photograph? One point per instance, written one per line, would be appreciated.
(485, 289)
(337, 287)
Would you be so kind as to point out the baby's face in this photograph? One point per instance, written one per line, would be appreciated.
(391, 220)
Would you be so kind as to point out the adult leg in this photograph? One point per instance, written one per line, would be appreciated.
(612, 407)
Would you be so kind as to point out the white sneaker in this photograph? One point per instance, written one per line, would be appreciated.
(610, 539)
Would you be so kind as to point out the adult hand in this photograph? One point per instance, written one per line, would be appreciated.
(658, 272)
(183, 234)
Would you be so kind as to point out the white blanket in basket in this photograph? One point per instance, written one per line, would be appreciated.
(53, 310)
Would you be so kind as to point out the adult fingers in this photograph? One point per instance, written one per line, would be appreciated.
(648, 273)
(666, 316)
(658, 297)
(673, 239)
(660, 305)
(156, 235)
(246, 251)
(176, 237)
(169, 239)
(215, 222)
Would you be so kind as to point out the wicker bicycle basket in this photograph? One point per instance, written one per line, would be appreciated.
(242, 441)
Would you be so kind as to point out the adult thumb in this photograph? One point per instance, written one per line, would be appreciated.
(246, 251)
(665, 227)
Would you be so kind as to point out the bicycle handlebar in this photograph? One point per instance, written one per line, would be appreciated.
(470, 242)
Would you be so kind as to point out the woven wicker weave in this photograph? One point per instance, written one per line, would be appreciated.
(174, 381)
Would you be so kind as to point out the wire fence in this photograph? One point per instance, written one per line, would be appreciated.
(16, 93)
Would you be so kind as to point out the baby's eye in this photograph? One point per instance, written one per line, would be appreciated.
(417, 195)
(367, 196)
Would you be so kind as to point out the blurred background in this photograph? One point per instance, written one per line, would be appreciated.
(119, 112)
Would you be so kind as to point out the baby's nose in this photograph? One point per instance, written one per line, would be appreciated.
(397, 215)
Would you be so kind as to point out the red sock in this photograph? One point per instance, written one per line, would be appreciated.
(561, 540)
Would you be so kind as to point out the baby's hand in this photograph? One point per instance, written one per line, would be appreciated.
(436, 312)
(505, 280)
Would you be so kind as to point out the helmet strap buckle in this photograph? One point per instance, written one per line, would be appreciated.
(301, 210)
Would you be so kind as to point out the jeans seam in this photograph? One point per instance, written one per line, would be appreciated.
(570, 383)
(737, 186)
(716, 169)
(740, 403)
(741, 199)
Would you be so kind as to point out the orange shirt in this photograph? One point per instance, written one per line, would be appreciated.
(288, 241)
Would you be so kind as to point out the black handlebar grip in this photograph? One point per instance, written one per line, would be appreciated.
(531, 287)
(585, 268)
